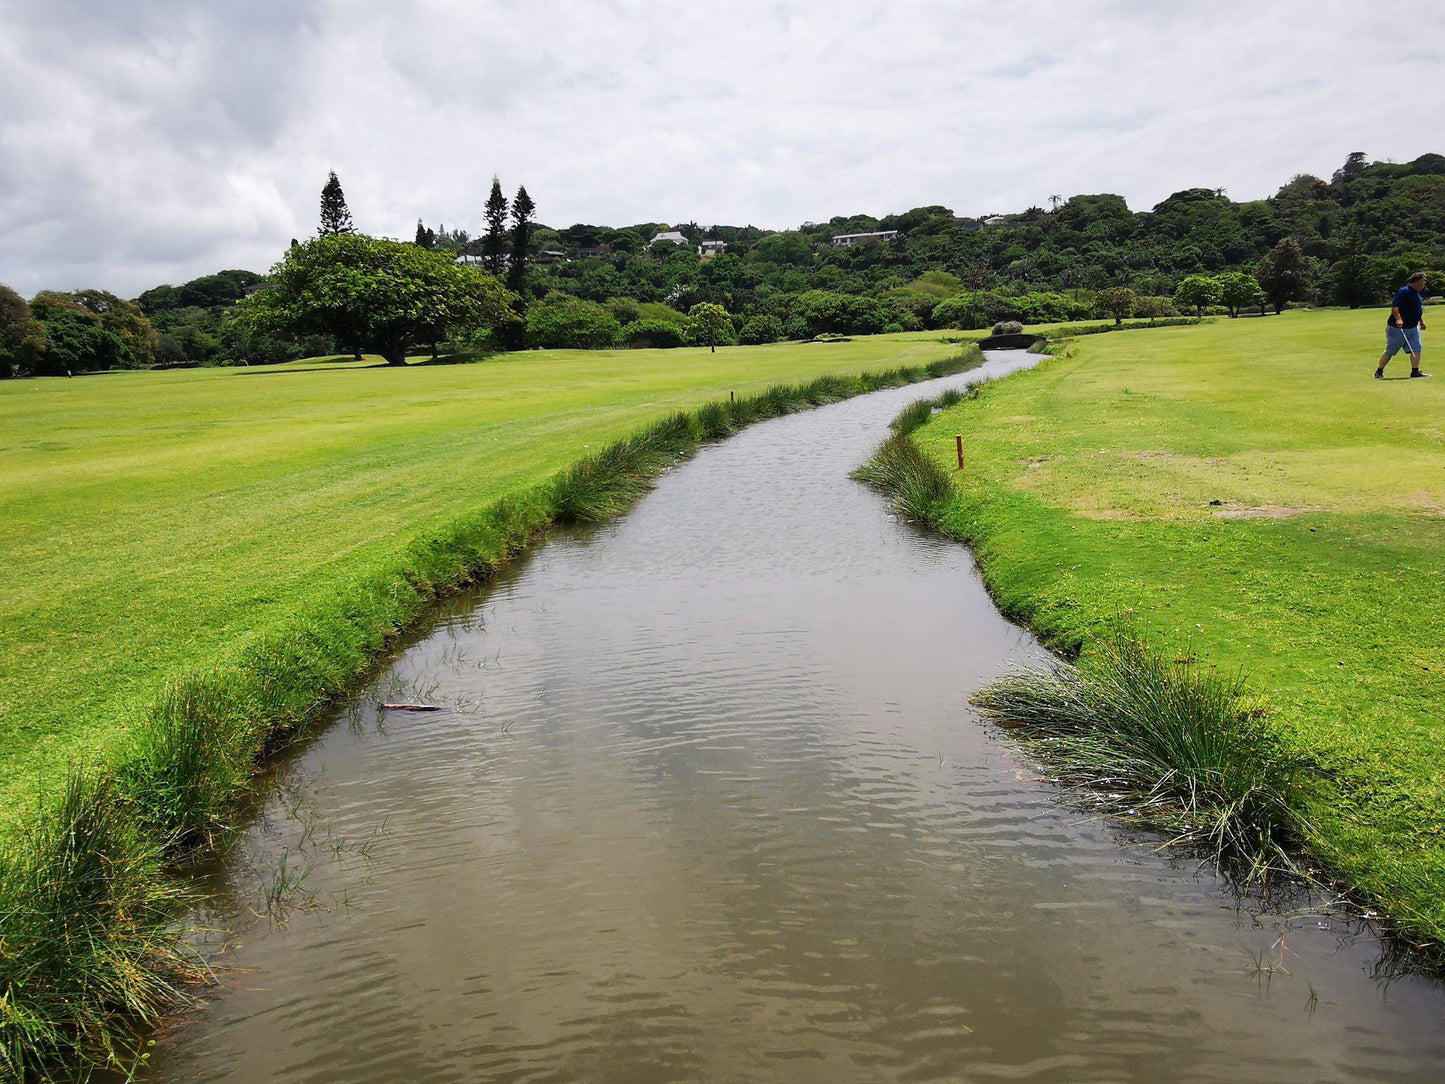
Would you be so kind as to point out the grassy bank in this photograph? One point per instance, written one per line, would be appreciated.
(86, 948)
(1246, 485)
(156, 522)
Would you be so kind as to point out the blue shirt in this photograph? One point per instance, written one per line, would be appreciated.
(1411, 305)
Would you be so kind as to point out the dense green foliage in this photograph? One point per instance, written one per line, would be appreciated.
(377, 295)
(1346, 241)
(79, 332)
(22, 337)
(1360, 232)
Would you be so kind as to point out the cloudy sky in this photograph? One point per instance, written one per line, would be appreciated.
(148, 141)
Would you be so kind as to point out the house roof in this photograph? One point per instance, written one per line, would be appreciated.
(670, 235)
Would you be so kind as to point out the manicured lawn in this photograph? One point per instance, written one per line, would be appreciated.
(151, 522)
(1090, 495)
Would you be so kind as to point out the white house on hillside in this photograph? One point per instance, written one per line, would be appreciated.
(848, 240)
(712, 248)
(669, 235)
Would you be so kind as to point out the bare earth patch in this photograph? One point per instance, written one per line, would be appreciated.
(1233, 510)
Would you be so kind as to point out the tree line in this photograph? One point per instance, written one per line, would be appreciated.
(1349, 241)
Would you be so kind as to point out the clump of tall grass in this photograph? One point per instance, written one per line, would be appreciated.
(192, 757)
(912, 416)
(954, 396)
(914, 484)
(88, 948)
(1159, 739)
(608, 482)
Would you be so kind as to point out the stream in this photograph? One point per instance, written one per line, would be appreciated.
(706, 801)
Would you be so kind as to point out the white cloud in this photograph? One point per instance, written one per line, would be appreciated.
(153, 141)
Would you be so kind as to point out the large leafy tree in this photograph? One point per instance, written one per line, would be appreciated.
(1238, 290)
(1198, 292)
(22, 337)
(335, 215)
(380, 295)
(76, 343)
(123, 319)
(709, 319)
(494, 242)
(1284, 274)
(1117, 301)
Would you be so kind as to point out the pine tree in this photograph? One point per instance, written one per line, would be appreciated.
(421, 241)
(494, 244)
(522, 208)
(335, 218)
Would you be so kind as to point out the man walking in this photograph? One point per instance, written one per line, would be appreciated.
(1407, 320)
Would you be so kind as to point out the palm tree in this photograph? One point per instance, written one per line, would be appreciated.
(1054, 202)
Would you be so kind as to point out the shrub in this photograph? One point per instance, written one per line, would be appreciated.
(654, 334)
(763, 328)
(559, 321)
(1007, 327)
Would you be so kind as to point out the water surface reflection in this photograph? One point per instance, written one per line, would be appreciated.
(709, 803)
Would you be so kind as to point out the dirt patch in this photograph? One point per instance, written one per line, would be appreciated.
(1233, 510)
(1212, 461)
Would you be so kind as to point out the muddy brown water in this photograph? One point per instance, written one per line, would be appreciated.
(707, 802)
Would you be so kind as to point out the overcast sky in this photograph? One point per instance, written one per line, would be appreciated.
(146, 141)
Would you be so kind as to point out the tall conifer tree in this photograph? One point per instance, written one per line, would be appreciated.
(494, 244)
(522, 209)
(335, 218)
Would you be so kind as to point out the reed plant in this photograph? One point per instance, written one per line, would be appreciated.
(89, 949)
(913, 416)
(914, 484)
(1154, 736)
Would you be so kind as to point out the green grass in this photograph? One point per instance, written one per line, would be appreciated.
(88, 951)
(157, 523)
(1150, 735)
(1089, 495)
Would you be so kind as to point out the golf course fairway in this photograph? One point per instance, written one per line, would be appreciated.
(1246, 489)
(156, 522)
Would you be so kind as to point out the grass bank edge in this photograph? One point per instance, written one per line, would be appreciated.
(90, 949)
(1253, 788)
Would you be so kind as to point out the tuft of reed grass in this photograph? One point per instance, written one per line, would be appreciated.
(954, 396)
(608, 482)
(1159, 739)
(913, 416)
(192, 757)
(88, 947)
(913, 483)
